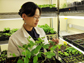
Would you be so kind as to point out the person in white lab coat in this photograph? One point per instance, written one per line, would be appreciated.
(30, 13)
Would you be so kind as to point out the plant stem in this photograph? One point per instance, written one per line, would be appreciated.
(44, 60)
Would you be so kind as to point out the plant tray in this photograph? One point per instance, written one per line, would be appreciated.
(49, 9)
(69, 58)
(3, 61)
(68, 9)
(81, 7)
(4, 31)
(75, 37)
(50, 33)
(4, 38)
(15, 59)
(73, 59)
(82, 45)
(79, 41)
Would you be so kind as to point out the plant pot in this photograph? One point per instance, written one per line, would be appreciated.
(50, 33)
(15, 59)
(52, 61)
(75, 44)
(81, 7)
(1, 31)
(79, 41)
(68, 9)
(73, 59)
(73, 38)
(4, 52)
(12, 60)
(3, 38)
(3, 61)
(82, 2)
(82, 45)
(48, 9)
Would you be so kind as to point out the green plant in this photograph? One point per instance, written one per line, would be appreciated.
(13, 31)
(6, 29)
(7, 34)
(47, 5)
(36, 53)
(47, 28)
(70, 51)
(64, 5)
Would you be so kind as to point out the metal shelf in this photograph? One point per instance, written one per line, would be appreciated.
(14, 15)
(72, 45)
(3, 42)
(72, 13)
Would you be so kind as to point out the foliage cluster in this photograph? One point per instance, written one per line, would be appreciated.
(47, 5)
(36, 53)
(47, 29)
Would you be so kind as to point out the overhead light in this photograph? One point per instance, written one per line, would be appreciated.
(74, 17)
(12, 19)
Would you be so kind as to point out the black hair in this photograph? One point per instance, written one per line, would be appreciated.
(29, 9)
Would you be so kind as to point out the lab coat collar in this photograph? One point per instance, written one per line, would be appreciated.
(26, 34)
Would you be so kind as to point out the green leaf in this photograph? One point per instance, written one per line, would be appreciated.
(46, 46)
(42, 37)
(26, 60)
(35, 59)
(14, 55)
(80, 53)
(53, 47)
(23, 53)
(59, 46)
(10, 54)
(66, 54)
(35, 51)
(28, 54)
(49, 54)
(59, 52)
(31, 44)
(39, 54)
(40, 40)
(52, 43)
(25, 46)
(37, 42)
(20, 61)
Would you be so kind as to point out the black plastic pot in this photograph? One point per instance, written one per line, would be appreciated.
(70, 59)
(11, 60)
(3, 61)
(3, 38)
(1, 32)
(49, 9)
(82, 45)
(81, 7)
(52, 61)
(82, 2)
(75, 44)
(50, 33)
(68, 9)
(72, 40)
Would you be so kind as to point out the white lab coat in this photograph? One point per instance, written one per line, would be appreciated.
(20, 38)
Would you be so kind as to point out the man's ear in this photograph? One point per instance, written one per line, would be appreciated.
(23, 16)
